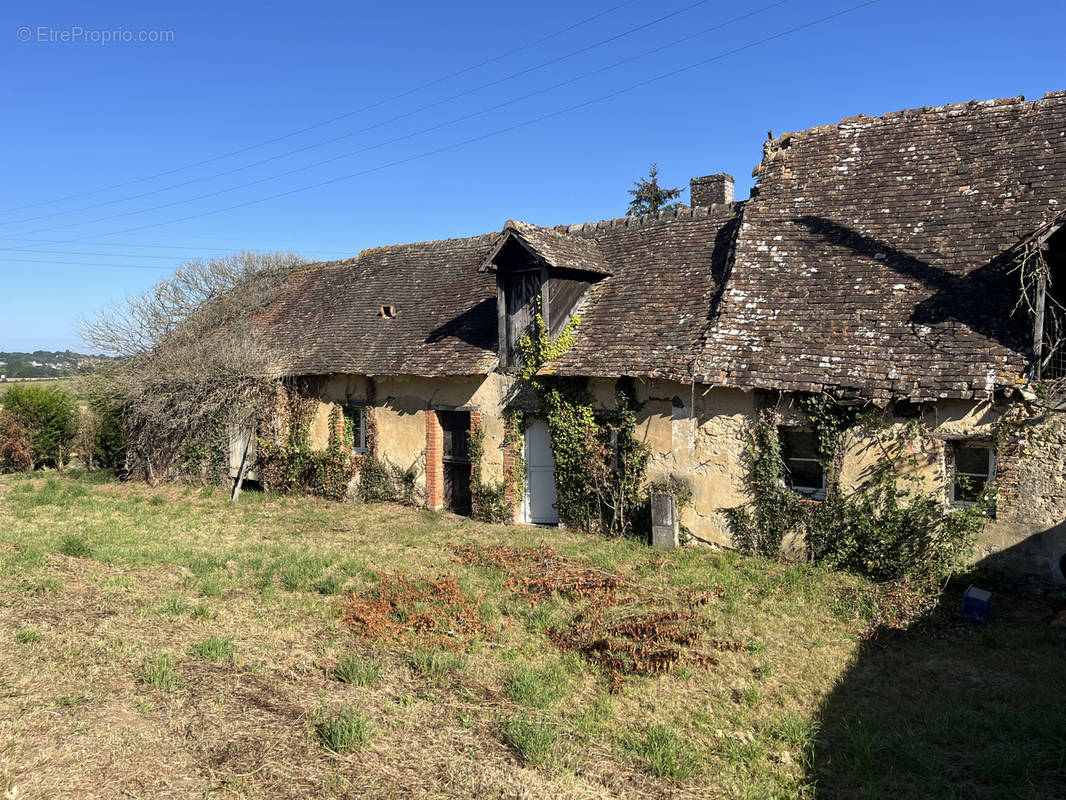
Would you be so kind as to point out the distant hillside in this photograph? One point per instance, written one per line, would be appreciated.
(45, 364)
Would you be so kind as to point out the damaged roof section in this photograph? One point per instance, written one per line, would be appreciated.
(875, 255)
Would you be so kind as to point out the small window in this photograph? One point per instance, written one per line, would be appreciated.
(803, 464)
(357, 416)
(973, 466)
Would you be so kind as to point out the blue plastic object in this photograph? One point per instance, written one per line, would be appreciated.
(975, 604)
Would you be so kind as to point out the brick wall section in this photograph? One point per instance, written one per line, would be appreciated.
(434, 461)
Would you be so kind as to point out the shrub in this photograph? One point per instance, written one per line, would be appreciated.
(381, 481)
(50, 416)
(345, 732)
(16, 447)
(881, 529)
(534, 741)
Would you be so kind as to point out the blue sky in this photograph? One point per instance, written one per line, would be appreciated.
(83, 115)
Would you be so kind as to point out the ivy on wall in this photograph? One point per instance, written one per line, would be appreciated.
(888, 527)
(599, 462)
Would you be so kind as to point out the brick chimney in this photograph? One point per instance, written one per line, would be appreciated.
(711, 190)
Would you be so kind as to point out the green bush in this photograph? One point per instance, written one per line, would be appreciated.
(49, 415)
(109, 442)
(882, 529)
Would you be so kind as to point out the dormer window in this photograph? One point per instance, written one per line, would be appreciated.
(539, 271)
(388, 312)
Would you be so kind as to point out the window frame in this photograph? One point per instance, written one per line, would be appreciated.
(809, 492)
(358, 433)
(990, 476)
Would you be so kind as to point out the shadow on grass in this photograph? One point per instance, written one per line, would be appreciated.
(949, 710)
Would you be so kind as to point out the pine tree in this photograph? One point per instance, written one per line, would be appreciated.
(649, 196)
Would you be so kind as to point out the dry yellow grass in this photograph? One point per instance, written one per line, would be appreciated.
(101, 580)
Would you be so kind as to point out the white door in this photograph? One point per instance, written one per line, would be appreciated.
(540, 502)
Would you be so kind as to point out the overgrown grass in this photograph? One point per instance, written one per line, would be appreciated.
(159, 672)
(435, 664)
(535, 687)
(214, 648)
(345, 732)
(663, 752)
(356, 671)
(806, 708)
(533, 740)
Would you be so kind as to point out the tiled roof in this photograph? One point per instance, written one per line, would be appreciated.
(647, 319)
(554, 247)
(329, 318)
(874, 255)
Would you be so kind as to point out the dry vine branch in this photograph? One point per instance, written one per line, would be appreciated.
(191, 359)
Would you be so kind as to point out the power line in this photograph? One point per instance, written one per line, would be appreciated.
(88, 264)
(232, 248)
(497, 132)
(350, 134)
(417, 133)
(331, 120)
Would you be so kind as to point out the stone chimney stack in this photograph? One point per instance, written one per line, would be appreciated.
(711, 190)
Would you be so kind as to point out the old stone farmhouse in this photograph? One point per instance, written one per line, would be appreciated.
(880, 259)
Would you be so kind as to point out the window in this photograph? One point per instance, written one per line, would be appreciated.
(803, 464)
(973, 465)
(357, 416)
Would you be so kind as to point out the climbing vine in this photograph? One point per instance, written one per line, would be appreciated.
(599, 462)
(888, 527)
(490, 500)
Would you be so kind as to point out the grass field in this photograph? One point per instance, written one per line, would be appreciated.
(66, 384)
(163, 643)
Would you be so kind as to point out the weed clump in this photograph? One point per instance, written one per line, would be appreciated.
(356, 671)
(75, 546)
(539, 688)
(345, 732)
(534, 741)
(158, 671)
(214, 648)
(664, 753)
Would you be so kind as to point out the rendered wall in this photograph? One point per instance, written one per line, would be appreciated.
(399, 405)
(699, 436)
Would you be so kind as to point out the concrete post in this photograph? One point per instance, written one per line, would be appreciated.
(664, 524)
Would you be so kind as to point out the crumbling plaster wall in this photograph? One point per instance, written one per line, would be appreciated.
(696, 435)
